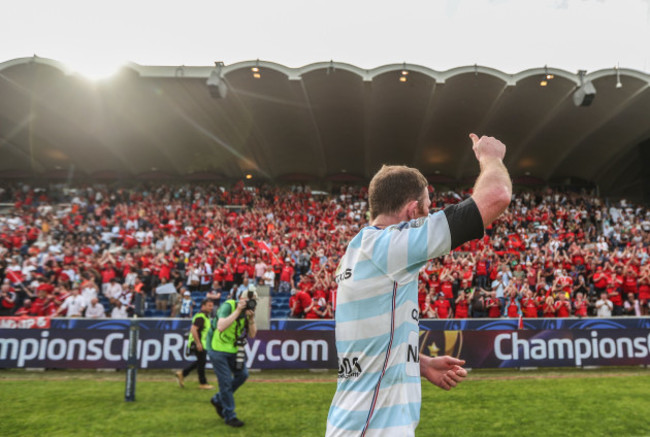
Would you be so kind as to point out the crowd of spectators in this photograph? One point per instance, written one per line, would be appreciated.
(63, 251)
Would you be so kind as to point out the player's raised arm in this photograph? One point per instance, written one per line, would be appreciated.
(493, 187)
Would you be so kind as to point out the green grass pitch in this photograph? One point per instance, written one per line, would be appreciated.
(570, 402)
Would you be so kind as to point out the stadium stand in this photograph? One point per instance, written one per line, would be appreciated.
(552, 254)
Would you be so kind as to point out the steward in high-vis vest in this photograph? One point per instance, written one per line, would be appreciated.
(197, 345)
(235, 322)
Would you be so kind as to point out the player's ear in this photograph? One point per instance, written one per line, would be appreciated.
(411, 209)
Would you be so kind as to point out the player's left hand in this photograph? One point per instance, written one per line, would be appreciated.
(445, 372)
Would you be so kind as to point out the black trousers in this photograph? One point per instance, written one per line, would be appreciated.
(199, 365)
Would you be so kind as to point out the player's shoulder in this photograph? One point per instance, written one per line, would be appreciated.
(366, 236)
(420, 222)
(370, 233)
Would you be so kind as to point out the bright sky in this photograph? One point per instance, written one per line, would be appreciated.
(94, 36)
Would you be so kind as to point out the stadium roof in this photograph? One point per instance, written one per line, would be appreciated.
(325, 121)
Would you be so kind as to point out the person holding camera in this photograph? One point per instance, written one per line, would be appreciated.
(236, 322)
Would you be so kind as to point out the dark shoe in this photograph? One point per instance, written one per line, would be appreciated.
(218, 407)
(234, 422)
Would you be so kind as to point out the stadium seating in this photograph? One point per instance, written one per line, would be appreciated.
(544, 244)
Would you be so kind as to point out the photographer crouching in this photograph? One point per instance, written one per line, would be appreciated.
(236, 322)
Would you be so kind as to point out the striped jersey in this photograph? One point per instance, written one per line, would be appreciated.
(377, 334)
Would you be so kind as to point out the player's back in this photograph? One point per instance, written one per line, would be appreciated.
(378, 391)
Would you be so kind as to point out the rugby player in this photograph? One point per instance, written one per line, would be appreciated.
(377, 335)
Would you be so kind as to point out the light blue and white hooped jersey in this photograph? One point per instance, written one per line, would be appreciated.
(186, 307)
(377, 333)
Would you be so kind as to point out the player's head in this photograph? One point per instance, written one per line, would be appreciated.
(396, 186)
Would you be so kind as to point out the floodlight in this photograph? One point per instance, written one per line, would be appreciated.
(216, 85)
(585, 93)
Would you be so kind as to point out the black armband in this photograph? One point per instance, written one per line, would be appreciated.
(465, 222)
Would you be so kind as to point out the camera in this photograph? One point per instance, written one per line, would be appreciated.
(251, 303)
(240, 357)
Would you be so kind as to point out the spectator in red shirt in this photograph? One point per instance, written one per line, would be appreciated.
(644, 289)
(513, 308)
(529, 305)
(331, 296)
(7, 300)
(240, 269)
(563, 282)
(581, 305)
(493, 305)
(299, 302)
(614, 295)
(446, 284)
(482, 271)
(286, 277)
(427, 309)
(462, 305)
(549, 307)
(422, 295)
(228, 276)
(40, 303)
(629, 281)
(317, 309)
(600, 280)
(562, 306)
(443, 307)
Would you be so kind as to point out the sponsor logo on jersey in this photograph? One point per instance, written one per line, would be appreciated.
(349, 368)
(342, 276)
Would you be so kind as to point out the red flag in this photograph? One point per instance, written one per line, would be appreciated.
(15, 276)
(266, 248)
(247, 242)
(263, 246)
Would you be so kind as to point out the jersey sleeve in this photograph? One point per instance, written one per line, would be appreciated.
(465, 222)
(408, 245)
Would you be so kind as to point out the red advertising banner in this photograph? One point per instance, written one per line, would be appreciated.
(24, 322)
(548, 348)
